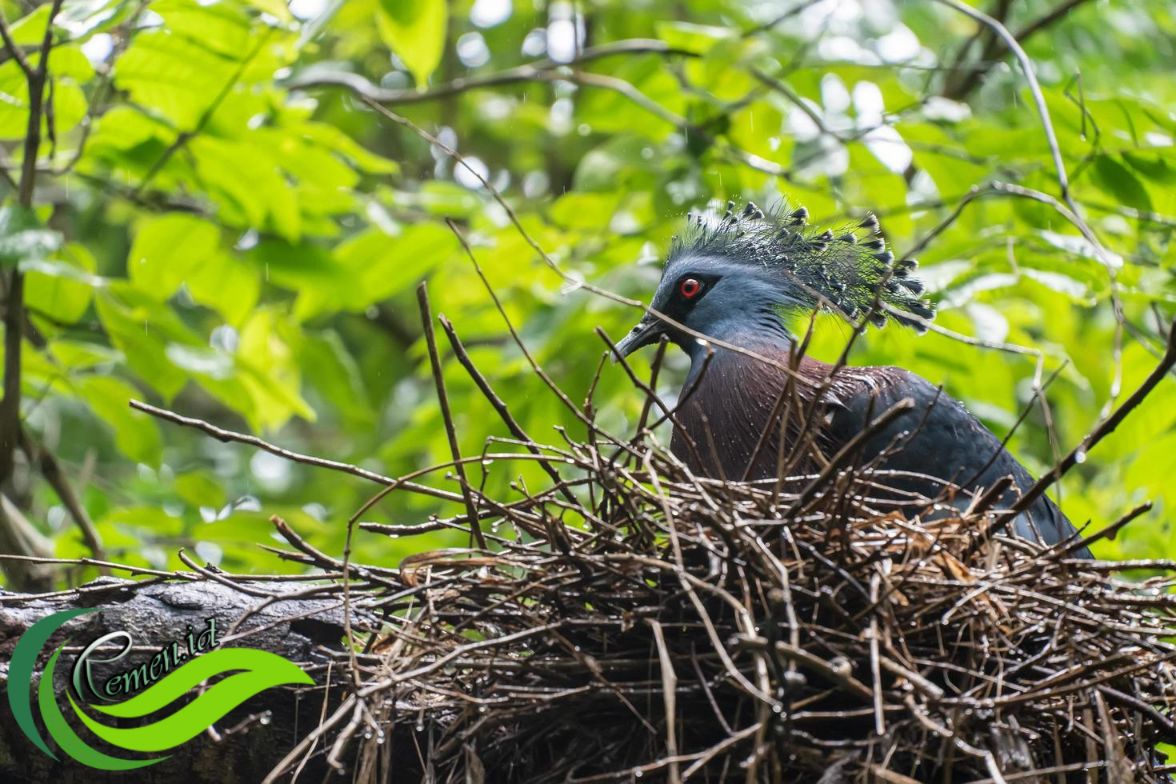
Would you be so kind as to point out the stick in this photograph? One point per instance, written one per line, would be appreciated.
(226, 436)
(447, 415)
(1104, 429)
(501, 407)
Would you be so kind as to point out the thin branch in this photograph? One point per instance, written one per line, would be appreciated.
(447, 414)
(669, 695)
(989, 45)
(574, 282)
(14, 313)
(103, 89)
(1075, 214)
(15, 51)
(780, 19)
(537, 71)
(51, 470)
(995, 49)
(227, 436)
(186, 136)
(1030, 76)
(500, 406)
(1078, 453)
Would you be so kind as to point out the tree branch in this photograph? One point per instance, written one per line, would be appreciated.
(968, 78)
(960, 71)
(1101, 431)
(447, 415)
(14, 314)
(186, 136)
(540, 70)
(15, 51)
(51, 470)
(226, 436)
(1105, 428)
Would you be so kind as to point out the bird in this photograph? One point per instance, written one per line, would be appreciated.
(731, 288)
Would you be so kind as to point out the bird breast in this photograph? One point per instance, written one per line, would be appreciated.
(732, 413)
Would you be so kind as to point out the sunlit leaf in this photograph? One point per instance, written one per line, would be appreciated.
(167, 250)
(61, 290)
(415, 30)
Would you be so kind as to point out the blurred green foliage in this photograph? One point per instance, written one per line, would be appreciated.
(222, 226)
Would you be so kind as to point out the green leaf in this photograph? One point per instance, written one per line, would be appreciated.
(589, 211)
(330, 137)
(415, 30)
(695, 38)
(369, 267)
(124, 128)
(269, 370)
(176, 78)
(76, 355)
(84, 17)
(1157, 168)
(444, 198)
(309, 163)
(381, 266)
(167, 250)
(1122, 184)
(22, 238)
(245, 178)
(62, 289)
(275, 8)
(201, 361)
(223, 28)
(135, 434)
(336, 377)
(198, 488)
(141, 328)
(227, 284)
(69, 62)
(138, 519)
(29, 30)
(68, 66)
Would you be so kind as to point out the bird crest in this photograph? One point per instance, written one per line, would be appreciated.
(849, 270)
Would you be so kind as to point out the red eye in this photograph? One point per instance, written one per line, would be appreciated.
(690, 287)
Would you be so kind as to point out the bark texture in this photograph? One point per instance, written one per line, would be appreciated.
(306, 629)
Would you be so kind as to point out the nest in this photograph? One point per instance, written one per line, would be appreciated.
(692, 630)
(632, 620)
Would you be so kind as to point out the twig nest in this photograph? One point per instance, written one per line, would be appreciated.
(695, 630)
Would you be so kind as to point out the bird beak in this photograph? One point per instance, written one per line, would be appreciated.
(647, 331)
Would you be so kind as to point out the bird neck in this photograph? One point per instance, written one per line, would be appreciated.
(764, 332)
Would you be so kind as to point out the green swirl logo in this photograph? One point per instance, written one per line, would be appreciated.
(148, 689)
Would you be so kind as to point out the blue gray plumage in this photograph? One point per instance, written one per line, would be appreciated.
(735, 278)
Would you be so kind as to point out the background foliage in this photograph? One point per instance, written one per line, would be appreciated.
(224, 225)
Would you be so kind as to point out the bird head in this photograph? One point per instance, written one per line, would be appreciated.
(748, 271)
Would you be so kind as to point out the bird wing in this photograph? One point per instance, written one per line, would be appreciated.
(937, 441)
